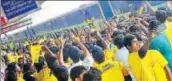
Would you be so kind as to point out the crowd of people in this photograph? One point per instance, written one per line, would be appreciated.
(137, 48)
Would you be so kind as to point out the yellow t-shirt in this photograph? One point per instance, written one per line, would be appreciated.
(150, 68)
(112, 70)
(108, 54)
(10, 58)
(44, 75)
(20, 76)
(35, 52)
(17, 57)
(26, 43)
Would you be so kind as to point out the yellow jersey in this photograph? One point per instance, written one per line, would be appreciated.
(108, 54)
(150, 68)
(20, 76)
(35, 53)
(17, 56)
(45, 75)
(112, 70)
(10, 58)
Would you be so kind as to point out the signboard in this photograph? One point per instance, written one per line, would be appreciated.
(106, 9)
(14, 8)
(16, 26)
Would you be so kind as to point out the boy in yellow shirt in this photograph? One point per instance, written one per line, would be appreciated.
(146, 65)
(111, 70)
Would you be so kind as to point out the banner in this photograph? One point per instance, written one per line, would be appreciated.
(16, 26)
(14, 8)
(106, 9)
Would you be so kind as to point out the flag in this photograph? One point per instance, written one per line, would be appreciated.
(141, 10)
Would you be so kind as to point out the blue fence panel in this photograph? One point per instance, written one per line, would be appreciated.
(94, 11)
(74, 18)
(120, 7)
(59, 23)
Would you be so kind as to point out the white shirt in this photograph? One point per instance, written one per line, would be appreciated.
(87, 62)
(122, 55)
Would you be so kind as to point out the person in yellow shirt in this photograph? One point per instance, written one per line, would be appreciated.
(35, 52)
(59, 71)
(10, 58)
(105, 46)
(111, 70)
(20, 64)
(45, 75)
(146, 65)
(18, 54)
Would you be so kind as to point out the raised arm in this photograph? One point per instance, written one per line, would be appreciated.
(107, 24)
(60, 53)
(99, 37)
(48, 52)
(83, 48)
(151, 35)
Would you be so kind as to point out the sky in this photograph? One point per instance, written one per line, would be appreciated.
(51, 9)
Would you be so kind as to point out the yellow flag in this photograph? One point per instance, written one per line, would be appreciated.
(26, 43)
(35, 53)
(141, 10)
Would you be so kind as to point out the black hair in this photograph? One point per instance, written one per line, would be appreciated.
(119, 41)
(26, 67)
(128, 40)
(27, 77)
(11, 74)
(98, 54)
(92, 75)
(75, 54)
(66, 53)
(133, 28)
(161, 15)
(11, 67)
(27, 73)
(19, 64)
(153, 24)
(61, 73)
(89, 46)
(77, 71)
(99, 43)
(151, 18)
(115, 33)
(40, 65)
(138, 36)
(54, 49)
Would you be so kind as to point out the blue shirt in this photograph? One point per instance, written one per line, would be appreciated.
(162, 44)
